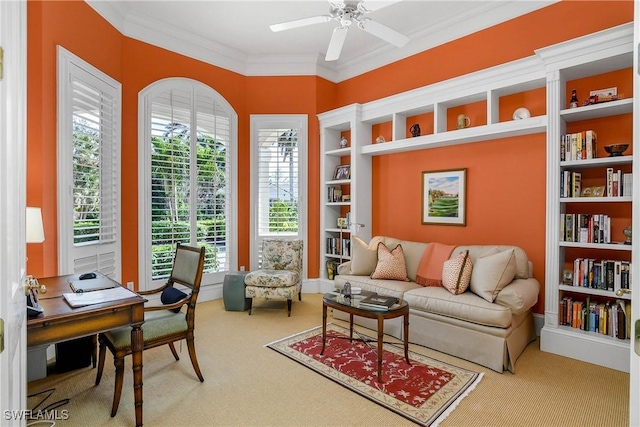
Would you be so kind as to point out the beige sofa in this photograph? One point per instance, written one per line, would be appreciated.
(491, 334)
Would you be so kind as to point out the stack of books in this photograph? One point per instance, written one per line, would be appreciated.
(378, 302)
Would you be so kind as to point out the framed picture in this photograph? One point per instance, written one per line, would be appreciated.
(342, 172)
(443, 197)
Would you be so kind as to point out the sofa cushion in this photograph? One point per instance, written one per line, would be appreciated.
(456, 273)
(520, 296)
(430, 267)
(467, 306)
(364, 257)
(412, 253)
(392, 288)
(491, 273)
(390, 264)
(522, 261)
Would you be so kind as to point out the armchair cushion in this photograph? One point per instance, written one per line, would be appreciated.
(267, 278)
(171, 295)
(156, 325)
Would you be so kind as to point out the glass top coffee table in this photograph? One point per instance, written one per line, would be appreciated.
(352, 307)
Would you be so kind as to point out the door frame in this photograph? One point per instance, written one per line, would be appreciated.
(13, 152)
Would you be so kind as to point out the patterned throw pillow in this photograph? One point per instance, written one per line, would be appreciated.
(456, 273)
(391, 265)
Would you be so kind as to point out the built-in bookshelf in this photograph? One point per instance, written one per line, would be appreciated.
(346, 187)
(589, 201)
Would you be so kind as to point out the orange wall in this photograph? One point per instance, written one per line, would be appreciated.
(506, 178)
(49, 24)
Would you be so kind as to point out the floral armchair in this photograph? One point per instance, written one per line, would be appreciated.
(281, 274)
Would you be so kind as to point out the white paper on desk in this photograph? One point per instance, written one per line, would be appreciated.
(96, 297)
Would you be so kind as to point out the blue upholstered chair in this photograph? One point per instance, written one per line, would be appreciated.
(280, 276)
(163, 324)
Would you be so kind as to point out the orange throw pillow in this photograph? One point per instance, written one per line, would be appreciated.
(430, 269)
(391, 265)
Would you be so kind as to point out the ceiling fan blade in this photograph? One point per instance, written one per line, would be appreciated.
(300, 23)
(335, 45)
(384, 32)
(372, 5)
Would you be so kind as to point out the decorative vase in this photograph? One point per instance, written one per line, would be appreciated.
(627, 234)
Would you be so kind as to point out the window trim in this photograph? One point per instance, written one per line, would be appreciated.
(66, 60)
(144, 178)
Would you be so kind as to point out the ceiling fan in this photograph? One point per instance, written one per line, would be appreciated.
(348, 13)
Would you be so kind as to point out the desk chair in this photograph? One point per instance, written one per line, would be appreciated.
(164, 324)
(281, 274)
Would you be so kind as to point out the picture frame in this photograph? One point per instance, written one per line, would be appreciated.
(444, 197)
(342, 172)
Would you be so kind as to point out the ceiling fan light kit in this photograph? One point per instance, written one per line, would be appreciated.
(346, 14)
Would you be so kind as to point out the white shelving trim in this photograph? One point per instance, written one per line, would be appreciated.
(590, 55)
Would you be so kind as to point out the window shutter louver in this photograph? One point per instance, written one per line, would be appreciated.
(190, 138)
(278, 182)
(89, 169)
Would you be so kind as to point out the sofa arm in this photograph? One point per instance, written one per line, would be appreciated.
(344, 268)
(519, 295)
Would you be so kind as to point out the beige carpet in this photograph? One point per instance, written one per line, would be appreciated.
(248, 384)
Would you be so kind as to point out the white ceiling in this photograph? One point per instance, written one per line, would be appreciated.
(235, 35)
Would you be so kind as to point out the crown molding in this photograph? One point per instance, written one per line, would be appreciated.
(176, 39)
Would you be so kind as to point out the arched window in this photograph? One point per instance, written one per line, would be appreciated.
(187, 170)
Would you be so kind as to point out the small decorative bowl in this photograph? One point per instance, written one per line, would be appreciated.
(616, 149)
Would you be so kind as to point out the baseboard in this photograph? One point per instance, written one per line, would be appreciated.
(538, 322)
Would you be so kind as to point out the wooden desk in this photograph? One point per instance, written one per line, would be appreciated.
(61, 322)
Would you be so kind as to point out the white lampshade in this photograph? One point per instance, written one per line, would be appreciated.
(35, 229)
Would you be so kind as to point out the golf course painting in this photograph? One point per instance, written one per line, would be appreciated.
(443, 197)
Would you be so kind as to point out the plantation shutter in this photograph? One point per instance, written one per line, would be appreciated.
(277, 184)
(90, 137)
(190, 137)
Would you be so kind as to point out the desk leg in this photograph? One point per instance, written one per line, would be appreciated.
(380, 342)
(136, 347)
(406, 338)
(324, 327)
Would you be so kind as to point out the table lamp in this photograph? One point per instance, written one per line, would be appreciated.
(35, 229)
(35, 234)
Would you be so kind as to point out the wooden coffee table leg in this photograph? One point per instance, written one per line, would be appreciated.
(324, 326)
(380, 342)
(406, 338)
(350, 327)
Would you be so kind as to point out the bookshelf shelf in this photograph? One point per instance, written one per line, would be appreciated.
(621, 199)
(601, 161)
(590, 291)
(608, 246)
(595, 336)
(578, 64)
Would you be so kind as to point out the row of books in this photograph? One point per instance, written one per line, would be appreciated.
(607, 318)
(338, 246)
(578, 146)
(609, 275)
(585, 228)
(617, 184)
(334, 194)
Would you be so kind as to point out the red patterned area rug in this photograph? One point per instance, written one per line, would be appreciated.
(424, 392)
